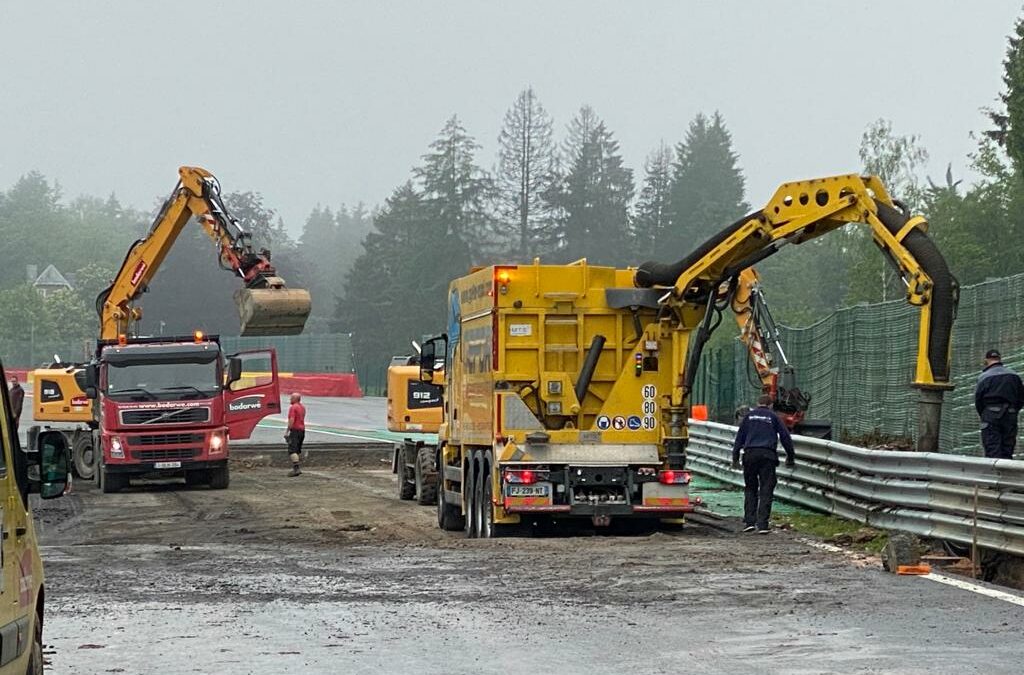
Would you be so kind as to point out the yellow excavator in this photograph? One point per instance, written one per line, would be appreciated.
(265, 305)
(777, 376)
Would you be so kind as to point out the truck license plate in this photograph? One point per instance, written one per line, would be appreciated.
(167, 465)
(527, 490)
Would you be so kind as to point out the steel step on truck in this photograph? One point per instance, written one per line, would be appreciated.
(170, 406)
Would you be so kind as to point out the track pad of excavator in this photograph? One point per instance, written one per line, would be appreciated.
(273, 311)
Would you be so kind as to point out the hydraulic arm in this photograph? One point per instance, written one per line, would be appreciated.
(265, 306)
(706, 282)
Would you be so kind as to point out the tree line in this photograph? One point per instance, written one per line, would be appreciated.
(558, 192)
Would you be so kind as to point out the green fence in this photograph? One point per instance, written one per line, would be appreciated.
(857, 365)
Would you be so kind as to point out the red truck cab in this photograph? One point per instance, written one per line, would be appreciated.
(171, 406)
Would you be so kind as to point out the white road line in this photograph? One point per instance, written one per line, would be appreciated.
(962, 584)
(331, 433)
(975, 588)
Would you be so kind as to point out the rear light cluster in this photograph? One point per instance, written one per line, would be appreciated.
(671, 477)
(524, 476)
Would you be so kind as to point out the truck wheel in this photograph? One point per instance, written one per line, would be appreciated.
(220, 477)
(485, 510)
(112, 482)
(426, 490)
(469, 497)
(196, 477)
(406, 481)
(83, 457)
(35, 662)
(449, 518)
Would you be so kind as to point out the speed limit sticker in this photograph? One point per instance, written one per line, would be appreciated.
(650, 392)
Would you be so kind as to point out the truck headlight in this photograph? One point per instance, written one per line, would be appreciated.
(216, 443)
(116, 449)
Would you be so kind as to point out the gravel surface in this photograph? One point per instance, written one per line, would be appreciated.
(331, 573)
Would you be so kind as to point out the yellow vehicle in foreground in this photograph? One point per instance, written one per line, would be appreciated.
(567, 386)
(45, 470)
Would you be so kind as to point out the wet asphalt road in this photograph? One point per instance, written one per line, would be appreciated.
(330, 573)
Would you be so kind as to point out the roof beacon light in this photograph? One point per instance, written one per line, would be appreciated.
(198, 335)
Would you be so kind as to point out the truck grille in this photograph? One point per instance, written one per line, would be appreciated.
(165, 439)
(162, 454)
(166, 416)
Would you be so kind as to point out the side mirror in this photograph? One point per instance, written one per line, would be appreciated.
(432, 355)
(234, 369)
(53, 472)
(92, 376)
(91, 393)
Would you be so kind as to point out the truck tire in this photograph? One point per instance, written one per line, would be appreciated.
(449, 518)
(426, 490)
(469, 497)
(220, 477)
(111, 482)
(197, 477)
(83, 457)
(485, 511)
(406, 481)
(35, 661)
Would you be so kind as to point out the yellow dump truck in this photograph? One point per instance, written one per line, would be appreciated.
(566, 387)
(553, 400)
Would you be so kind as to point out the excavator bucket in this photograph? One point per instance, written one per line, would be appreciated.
(273, 311)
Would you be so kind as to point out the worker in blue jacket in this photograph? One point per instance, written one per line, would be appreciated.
(758, 442)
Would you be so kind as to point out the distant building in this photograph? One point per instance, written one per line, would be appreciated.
(51, 281)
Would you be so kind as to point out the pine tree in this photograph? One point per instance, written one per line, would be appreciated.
(526, 171)
(456, 190)
(595, 194)
(707, 187)
(1009, 122)
(651, 217)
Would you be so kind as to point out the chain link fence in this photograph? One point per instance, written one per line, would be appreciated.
(857, 365)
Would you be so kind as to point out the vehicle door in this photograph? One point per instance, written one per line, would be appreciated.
(253, 391)
(16, 554)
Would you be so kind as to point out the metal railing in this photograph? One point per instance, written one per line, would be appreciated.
(929, 494)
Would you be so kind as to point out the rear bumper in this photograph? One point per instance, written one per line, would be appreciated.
(618, 510)
(150, 467)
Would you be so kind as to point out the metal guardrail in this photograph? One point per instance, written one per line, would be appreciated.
(925, 493)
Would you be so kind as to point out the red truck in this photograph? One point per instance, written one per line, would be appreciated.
(170, 406)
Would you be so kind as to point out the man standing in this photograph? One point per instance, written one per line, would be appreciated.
(758, 439)
(998, 398)
(17, 399)
(296, 432)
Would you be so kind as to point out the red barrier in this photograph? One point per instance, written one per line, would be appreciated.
(321, 384)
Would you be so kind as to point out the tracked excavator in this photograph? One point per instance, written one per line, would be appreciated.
(566, 387)
(265, 305)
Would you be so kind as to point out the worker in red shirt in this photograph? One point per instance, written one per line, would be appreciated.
(296, 432)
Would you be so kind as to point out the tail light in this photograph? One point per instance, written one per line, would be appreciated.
(523, 476)
(672, 477)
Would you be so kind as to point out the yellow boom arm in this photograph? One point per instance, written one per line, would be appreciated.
(798, 212)
(266, 307)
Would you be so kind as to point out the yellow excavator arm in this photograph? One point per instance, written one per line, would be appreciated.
(704, 283)
(265, 306)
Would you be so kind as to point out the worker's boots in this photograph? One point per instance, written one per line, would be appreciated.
(296, 471)
(295, 464)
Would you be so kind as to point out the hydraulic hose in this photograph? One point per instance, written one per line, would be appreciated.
(589, 365)
(944, 288)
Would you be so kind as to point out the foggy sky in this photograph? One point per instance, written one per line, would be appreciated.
(334, 102)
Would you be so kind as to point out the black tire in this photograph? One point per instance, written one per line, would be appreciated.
(449, 518)
(82, 456)
(485, 511)
(111, 482)
(196, 477)
(469, 497)
(35, 660)
(220, 477)
(406, 481)
(426, 490)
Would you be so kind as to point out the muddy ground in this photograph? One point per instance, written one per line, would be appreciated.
(330, 573)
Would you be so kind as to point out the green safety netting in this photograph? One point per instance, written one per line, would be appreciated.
(858, 362)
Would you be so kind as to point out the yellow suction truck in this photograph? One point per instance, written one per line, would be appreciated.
(566, 387)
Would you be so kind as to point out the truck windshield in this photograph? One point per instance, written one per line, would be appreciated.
(175, 379)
